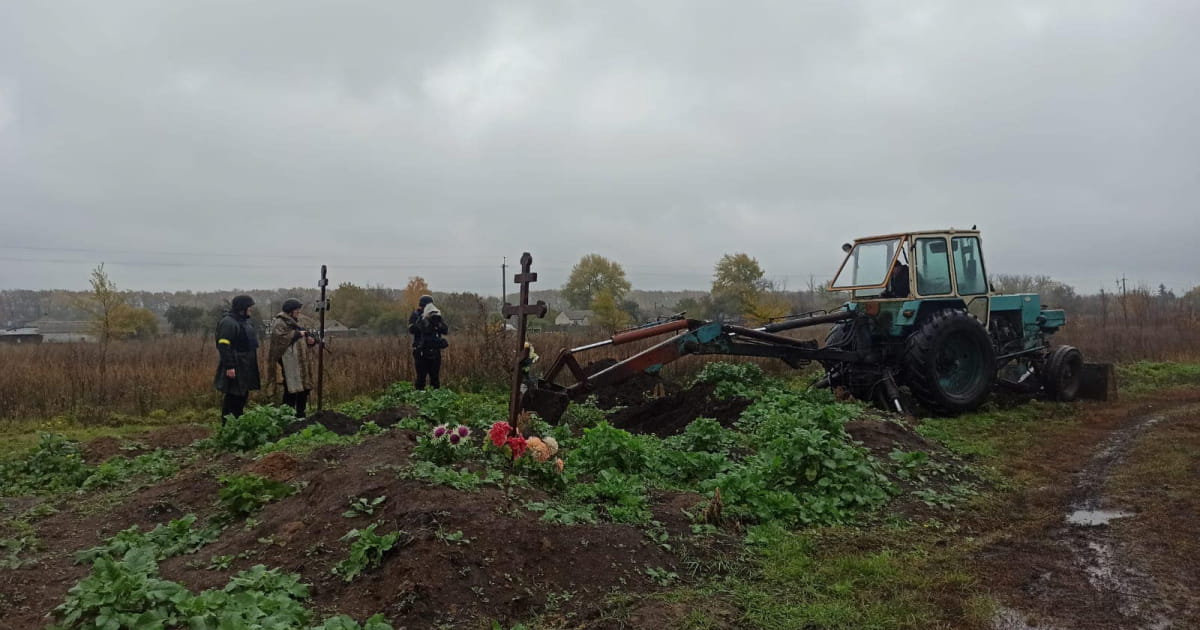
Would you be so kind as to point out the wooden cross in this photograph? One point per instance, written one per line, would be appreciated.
(522, 311)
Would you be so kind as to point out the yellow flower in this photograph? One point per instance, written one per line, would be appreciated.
(558, 465)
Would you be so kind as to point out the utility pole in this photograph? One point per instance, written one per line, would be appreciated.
(1124, 309)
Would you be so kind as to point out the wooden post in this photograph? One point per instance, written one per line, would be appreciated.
(523, 310)
(322, 306)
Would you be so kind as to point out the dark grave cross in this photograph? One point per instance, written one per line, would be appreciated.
(522, 311)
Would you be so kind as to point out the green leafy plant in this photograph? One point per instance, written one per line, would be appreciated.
(309, 439)
(661, 576)
(125, 593)
(367, 550)
(176, 537)
(54, 465)
(153, 466)
(622, 497)
(259, 425)
(255, 598)
(740, 380)
(446, 476)
(242, 495)
(362, 506)
(12, 548)
(452, 538)
(342, 622)
(606, 447)
(564, 514)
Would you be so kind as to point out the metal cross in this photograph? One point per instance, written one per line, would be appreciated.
(522, 311)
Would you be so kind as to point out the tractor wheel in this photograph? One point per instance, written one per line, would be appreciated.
(949, 362)
(1062, 373)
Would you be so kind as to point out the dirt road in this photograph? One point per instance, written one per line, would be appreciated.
(1112, 540)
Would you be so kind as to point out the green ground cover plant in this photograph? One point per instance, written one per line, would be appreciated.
(367, 550)
(177, 537)
(243, 495)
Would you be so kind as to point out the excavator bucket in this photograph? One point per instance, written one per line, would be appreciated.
(1098, 381)
(546, 401)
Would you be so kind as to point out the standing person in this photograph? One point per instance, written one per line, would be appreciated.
(291, 361)
(427, 331)
(237, 344)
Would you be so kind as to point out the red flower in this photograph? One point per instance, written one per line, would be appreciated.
(517, 444)
(499, 433)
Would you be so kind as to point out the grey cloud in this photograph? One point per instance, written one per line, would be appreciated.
(413, 138)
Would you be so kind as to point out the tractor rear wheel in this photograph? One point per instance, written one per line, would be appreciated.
(949, 362)
(1062, 373)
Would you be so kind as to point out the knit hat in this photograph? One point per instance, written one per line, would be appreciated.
(425, 301)
(291, 304)
(241, 303)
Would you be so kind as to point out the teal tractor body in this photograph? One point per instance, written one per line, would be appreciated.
(931, 324)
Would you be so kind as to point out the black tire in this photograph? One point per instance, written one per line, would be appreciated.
(949, 363)
(1062, 372)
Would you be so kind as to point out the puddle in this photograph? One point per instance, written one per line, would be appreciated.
(1094, 518)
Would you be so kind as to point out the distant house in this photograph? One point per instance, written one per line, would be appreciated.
(55, 331)
(573, 318)
(27, 334)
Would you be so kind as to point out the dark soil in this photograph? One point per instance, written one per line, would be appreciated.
(338, 423)
(672, 413)
(102, 448)
(175, 437)
(389, 417)
(881, 437)
(511, 567)
(629, 393)
(277, 466)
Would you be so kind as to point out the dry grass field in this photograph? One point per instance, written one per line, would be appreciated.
(173, 374)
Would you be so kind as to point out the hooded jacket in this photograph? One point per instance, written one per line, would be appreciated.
(237, 345)
(428, 328)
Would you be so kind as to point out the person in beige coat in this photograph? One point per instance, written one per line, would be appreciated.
(291, 360)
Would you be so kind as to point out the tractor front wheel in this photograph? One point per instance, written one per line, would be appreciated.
(949, 362)
(1062, 373)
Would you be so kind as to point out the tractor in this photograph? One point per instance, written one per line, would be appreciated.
(923, 324)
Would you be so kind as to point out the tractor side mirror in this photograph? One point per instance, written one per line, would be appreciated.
(846, 247)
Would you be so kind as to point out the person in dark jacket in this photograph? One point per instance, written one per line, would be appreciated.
(237, 345)
(427, 327)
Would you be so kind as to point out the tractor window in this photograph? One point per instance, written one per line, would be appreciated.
(968, 266)
(867, 265)
(933, 267)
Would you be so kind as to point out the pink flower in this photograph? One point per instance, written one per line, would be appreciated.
(463, 431)
(439, 431)
(454, 439)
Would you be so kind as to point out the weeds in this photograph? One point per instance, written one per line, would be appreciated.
(362, 506)
(175, 538)
(367, 550)
(243, 495)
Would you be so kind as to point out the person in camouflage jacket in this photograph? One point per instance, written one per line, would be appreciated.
(291, 357)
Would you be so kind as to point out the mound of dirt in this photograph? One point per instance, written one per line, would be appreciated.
(175, 437)
(339, 423)
(882, 437)
(277, 466)
(389, 417)
(102, 448)
(672, 413)
(630, 392)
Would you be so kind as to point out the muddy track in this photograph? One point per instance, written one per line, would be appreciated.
(1106, 573)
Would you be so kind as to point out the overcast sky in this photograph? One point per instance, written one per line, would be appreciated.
(213, 145)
